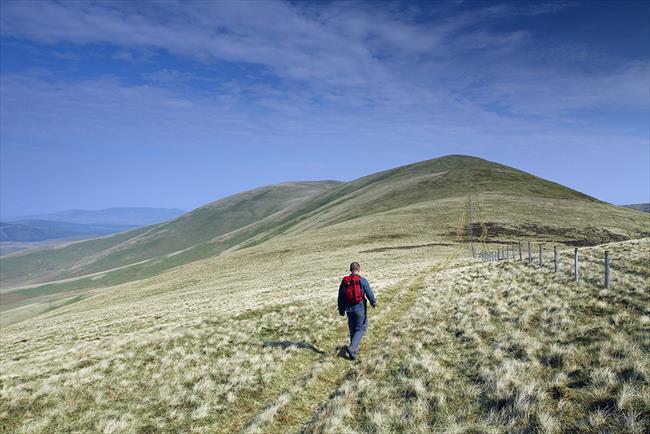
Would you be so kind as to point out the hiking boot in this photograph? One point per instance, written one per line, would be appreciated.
(350, 354)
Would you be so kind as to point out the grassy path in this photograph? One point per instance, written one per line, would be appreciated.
(252, 408)
(296, 413)
(293, 410)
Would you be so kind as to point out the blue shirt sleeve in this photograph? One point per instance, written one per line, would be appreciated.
(368, 290)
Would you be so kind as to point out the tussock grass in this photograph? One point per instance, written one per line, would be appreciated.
(485, 347)
(182, 349)
(508, 347)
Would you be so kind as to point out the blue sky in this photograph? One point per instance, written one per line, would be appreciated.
(176, 104)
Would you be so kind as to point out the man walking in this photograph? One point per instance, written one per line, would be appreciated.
(353, 293)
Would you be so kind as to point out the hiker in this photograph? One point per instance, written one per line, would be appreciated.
(353, 293)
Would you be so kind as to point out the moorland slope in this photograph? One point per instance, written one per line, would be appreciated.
(175, 237)
(393, 207)
(241, 335)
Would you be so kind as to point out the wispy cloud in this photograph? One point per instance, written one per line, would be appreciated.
(297, 75)
(344, 54)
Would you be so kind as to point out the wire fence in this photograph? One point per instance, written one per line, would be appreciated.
(592, 265)
(589, 265)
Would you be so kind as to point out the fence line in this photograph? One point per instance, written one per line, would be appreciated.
(465, 230)
(504, 253)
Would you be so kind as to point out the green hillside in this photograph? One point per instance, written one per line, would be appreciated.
(194, 228)
(442, 178)
(25, 267)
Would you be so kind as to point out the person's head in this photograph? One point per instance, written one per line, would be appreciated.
(355, 268)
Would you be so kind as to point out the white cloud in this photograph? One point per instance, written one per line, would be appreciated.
(342, 71)
(341, 48)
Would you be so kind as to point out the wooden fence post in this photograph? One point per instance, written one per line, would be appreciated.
(530, 258)
(606, 269)
(541, 261)
(555, 259)
(576, 266)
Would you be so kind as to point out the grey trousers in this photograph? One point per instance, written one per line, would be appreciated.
(358, 324)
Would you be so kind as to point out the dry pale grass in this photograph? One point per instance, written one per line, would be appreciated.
(177, 351)
(494, 347)
(509, 347)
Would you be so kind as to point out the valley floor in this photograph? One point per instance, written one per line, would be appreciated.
(456, 345)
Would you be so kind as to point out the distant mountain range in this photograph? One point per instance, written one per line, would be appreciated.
(41, 230)
(80, 224)
(129, 216)
(645, 207)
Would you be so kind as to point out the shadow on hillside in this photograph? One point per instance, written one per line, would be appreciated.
(577, 237)
(292, 344)
(407, 247)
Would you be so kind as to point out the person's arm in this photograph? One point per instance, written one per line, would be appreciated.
(369, 294)
(341, 300)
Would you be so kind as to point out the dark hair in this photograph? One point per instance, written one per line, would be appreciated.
(355, 266)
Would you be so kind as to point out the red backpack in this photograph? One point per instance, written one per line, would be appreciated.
(352, 289)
